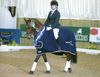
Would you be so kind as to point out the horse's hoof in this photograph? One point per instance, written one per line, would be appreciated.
(31, 72)
(48, 72)
(69, 70)
(64, 71)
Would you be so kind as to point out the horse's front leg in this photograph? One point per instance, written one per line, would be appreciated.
(34, 64)
(68, 63)
(46, 63)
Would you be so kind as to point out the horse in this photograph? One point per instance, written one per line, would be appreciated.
(31, 31)
(70, 57)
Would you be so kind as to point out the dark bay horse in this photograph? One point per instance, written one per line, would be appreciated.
(67, 45)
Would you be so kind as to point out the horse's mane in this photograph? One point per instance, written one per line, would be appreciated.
(37, 22)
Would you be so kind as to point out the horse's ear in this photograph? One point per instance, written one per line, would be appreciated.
(24, 19)
(29, 20)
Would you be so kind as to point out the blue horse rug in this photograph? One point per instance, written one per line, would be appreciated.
(46, 42)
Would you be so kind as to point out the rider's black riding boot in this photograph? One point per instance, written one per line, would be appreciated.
(58, 43)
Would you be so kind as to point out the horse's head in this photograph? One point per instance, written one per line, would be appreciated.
(32, 26)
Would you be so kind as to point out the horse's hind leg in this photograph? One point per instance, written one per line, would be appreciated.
(34, 64)
(46, 63)
(68, 63)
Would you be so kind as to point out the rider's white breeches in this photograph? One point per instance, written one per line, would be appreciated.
(56, 31)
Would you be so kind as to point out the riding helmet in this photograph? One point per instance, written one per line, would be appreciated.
(54, 2)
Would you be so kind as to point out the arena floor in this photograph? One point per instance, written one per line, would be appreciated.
(18, 64)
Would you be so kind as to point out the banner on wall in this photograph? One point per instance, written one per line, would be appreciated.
(9, 35)
(81, 33)
(94, 35)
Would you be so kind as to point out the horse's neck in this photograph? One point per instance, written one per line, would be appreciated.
(38, 23)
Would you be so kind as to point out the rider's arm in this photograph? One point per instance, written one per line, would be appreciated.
(47, 20)
(57, 18)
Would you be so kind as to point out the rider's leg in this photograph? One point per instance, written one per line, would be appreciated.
(46, 63)
(56, 31)
(34, 64)
(56, 35)
(68, 63)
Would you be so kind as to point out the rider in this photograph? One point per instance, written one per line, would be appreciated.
(52, 21)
